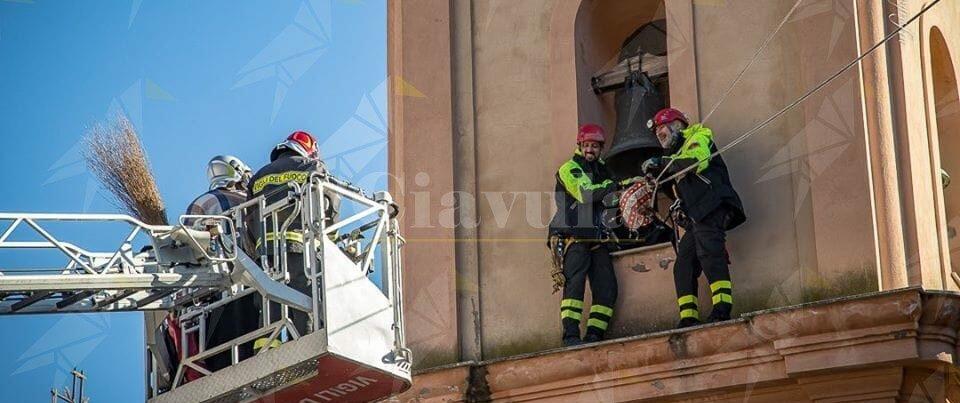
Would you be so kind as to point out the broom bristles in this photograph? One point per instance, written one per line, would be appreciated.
(114, 153)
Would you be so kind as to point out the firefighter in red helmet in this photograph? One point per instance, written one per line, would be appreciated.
(293, 160)
(706, 207)
(576, 238)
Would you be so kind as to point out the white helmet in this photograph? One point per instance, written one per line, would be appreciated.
(227, 170)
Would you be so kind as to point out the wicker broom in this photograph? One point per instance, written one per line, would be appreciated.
(114, 153)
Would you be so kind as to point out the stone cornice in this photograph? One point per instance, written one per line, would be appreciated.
(767, 348)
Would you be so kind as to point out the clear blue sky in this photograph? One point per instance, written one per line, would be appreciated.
(197, 78)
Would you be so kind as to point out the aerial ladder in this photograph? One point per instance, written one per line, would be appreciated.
(354, 348)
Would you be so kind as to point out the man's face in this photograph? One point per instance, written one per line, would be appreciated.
(590, 150)
(665, 133)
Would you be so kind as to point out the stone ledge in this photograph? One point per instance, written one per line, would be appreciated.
(786, 349)
(642, 249)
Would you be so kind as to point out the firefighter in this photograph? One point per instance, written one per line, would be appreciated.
(228, 177)
(293, 160)
(706, 208)
(582, 183)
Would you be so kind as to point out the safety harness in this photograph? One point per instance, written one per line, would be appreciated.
(558, 248)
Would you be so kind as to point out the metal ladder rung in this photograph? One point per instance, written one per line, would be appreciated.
(115, 298)
(73, 299)
(32, 299)
(195, 296)
(158, 294)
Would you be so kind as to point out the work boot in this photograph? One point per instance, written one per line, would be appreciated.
(592, 338)
(570, 341)
(688, 322)
(720, 313)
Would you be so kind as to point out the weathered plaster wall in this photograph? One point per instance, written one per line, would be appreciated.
(525, 66)
(943, 127)
(938, 253)
(511, 64)
(914, 162)
(804, 177)
(421, 164)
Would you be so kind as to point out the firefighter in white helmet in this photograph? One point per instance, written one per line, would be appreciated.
(228, 177)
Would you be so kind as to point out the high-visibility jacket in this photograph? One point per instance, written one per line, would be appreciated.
(581, 186)
(706, 187)
(288, 167)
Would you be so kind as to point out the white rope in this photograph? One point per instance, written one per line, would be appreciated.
(756, 56)
(820, 86)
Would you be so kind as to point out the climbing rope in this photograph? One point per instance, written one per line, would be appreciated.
(756, 56)
(806, 95)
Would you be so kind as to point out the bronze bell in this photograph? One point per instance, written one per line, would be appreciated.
(633, 142)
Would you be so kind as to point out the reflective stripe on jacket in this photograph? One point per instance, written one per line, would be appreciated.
(580, 189)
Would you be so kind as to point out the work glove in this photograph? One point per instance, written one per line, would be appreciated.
(652, 166)
(630, 181)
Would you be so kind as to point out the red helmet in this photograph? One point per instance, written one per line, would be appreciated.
(667, 115)
(299, 142)
(590, 132)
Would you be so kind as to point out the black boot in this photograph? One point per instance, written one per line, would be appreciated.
(592, 337)
(720, 313)
(570, 341)
(688, 322)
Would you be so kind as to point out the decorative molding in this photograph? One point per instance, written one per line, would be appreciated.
(795, 351)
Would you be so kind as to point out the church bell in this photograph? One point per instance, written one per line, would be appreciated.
(633, 142)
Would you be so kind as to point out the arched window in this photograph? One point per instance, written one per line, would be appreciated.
(946, 105)
(621, 58)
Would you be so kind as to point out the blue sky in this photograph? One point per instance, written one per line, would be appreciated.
(197, 79)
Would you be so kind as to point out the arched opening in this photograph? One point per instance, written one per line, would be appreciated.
(620, 58)
(621, 49)
(946, 101)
